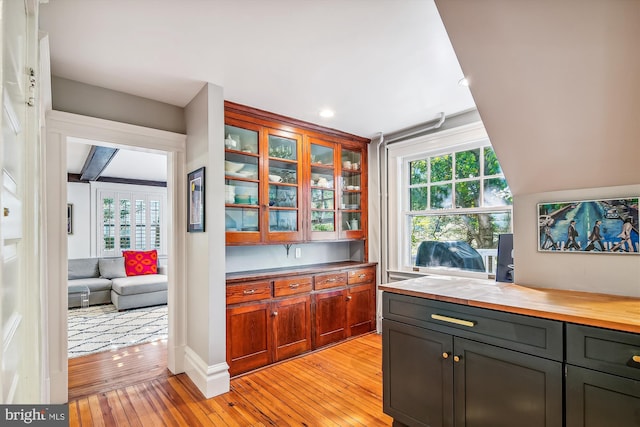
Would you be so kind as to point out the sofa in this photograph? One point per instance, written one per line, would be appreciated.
(108, 281)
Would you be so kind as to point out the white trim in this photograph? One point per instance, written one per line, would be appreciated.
(461, 138)
(119, 134)
(60, 126)
(211, 380)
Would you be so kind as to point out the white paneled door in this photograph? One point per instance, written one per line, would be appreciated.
(18, 311)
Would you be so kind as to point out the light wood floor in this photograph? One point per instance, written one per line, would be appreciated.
(337, 386)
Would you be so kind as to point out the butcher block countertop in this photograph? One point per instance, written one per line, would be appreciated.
(605, 311)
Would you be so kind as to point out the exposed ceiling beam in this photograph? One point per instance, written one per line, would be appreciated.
(97, 161)
(75, 177)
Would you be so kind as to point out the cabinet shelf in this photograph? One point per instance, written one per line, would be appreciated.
(293, 171)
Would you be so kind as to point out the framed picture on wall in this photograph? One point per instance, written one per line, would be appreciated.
(589, 226)
(69, 218)
(195, 202)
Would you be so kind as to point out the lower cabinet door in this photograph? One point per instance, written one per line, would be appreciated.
(417, 373)
(330, 317)
(496, 387)
(292, 326)
(248, 337)
(361, 309)
(596, 399)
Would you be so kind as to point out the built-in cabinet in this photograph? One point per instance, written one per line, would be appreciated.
(447, 364)
(288, 181)
(450, 365)
(280, 316)
(603, 377)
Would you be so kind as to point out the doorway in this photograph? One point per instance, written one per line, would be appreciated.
(60, 127)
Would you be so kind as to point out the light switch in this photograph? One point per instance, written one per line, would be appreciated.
(298, 252)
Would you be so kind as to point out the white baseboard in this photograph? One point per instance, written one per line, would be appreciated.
(211, 380)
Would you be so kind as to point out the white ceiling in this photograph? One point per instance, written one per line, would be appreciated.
(130, 164)
(381, 65)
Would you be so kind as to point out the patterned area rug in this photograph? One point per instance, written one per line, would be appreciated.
(103, 328)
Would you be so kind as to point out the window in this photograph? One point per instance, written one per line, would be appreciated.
(453, 202)
(129, 221)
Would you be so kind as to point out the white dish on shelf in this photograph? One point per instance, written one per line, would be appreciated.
(241, 174)
(232, 166)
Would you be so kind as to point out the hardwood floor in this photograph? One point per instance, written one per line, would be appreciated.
(337, 386)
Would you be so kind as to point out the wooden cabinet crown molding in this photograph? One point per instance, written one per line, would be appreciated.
(267, 118)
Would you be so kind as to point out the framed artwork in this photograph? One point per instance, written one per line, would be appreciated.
(591, 226)
(69, 218)
(195, 202)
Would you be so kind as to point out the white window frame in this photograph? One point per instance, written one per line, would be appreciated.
(399, 156)
(120, 192)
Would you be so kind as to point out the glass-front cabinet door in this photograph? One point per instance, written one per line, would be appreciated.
(282, 182)
(242, 183)
(352, 221)
(323, 206)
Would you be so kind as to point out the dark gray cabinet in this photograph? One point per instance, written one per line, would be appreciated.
(447, 365)
(603, 377)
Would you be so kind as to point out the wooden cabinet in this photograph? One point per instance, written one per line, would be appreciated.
(249, 337)
(603, 377)
(291, 326)
(446, 364)
(275, 318)
(344, 311)
(330, 316)
(289, 181)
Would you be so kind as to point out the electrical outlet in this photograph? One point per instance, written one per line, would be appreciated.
(298, 252)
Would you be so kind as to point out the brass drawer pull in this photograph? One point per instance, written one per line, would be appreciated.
(249, 291)
(294, 285)
(636, 358)
(362, 276)
(453, 320)
(331, 280)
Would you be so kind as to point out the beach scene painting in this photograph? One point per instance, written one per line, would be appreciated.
(590, 226)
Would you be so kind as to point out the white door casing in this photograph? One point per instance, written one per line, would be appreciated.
(60, 126)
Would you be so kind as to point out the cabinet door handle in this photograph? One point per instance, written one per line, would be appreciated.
(349, 298)
(636, 358)
(249, 291)
(274, 314)
(446, 355)
(294, 285)
(457, 358)
(453, 320)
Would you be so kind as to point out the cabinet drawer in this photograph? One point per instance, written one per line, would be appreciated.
(245, 292)
(295, 285)
(604, 350)
(363, 275)
(540, 337)
(325, 281)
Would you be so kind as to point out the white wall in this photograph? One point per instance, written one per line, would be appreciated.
(79, 243)
(206, 287)
(591, 272)
(83, 242)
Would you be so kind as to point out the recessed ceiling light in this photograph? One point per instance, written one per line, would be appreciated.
(463, 82)
(326, 113)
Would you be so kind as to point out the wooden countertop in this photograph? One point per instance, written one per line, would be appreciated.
(605, 311)
(242, 276)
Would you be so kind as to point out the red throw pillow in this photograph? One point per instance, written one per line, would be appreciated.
(137, 263)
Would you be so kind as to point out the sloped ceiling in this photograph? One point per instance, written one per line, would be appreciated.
(556, 85)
